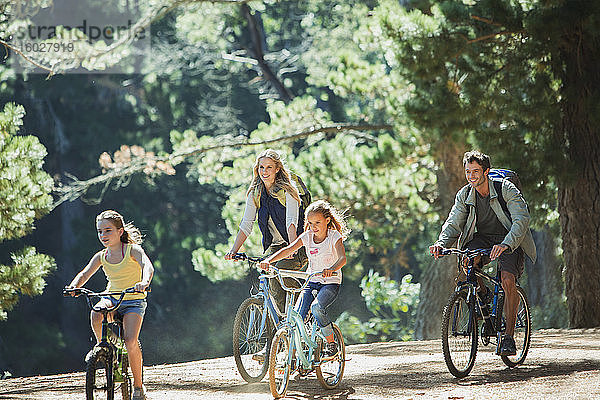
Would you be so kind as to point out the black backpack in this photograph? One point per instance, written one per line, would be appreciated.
(496, 176)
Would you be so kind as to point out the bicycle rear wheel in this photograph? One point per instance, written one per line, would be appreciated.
(279, 363)
(331, 370)
(459, 334)
(252, 339)
(99, 382)
(522, 334)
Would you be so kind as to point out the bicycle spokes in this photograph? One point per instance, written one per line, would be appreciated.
(459, 334)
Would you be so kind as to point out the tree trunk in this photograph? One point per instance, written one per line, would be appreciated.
(438, 279)
(544, 282)
(579, 195)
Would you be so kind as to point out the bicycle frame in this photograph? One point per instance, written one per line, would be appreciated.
(295, 323)
(472, 273)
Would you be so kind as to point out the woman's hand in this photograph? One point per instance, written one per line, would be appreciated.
(229, 255)
(264, 265)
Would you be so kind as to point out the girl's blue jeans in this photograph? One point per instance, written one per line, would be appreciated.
(326, 294)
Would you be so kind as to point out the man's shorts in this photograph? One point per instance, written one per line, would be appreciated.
(513, 262)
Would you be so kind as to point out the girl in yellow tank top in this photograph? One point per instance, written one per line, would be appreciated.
(125, 265)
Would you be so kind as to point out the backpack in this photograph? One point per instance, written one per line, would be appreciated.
(305, 197)
(497, 175)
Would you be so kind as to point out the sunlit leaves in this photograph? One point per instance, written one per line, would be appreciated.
(24, 197)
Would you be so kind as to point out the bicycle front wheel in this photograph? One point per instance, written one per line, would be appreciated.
(126, 385)
(279, 363)
(331, 368)
(99, 382)
(522, 334)
(252, 339)
(459, 334)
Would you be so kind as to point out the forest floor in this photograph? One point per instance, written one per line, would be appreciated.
(561, 364)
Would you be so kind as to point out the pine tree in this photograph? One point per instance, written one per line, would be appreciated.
(24, 197)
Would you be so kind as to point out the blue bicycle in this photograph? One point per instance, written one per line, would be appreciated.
(299, 345)
(254, 325)
(467, 315)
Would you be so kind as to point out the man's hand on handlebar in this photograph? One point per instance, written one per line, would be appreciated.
(327, 272)
(436, 250)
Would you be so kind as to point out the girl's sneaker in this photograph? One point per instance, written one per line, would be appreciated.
(139, 393)
(331, 349)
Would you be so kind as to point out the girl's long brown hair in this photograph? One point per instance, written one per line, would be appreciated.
(337, 219)
(131, 234)
(282, 178)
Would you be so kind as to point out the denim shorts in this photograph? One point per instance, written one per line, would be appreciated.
(137, 306)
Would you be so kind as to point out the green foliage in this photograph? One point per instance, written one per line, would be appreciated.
(24, 190)
(393, 304)
(25, 276)
(477, 75)
(24, 186)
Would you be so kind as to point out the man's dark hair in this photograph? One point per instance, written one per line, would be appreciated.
(478, 157)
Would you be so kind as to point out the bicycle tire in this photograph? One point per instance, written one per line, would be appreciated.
(459, 334)
(127, 384)
(99, 382)
(522, 334)
(247, 340)
(279, 366)
(331, 372)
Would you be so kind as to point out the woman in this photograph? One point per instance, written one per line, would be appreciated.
(275, 200)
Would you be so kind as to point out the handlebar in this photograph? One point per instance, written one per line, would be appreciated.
(89, 294)
(468, 253)
(245, 257)
(281, 273)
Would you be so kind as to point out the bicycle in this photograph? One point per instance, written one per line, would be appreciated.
(466, 309)
(108, 362)
(294, 349)
(254, 326)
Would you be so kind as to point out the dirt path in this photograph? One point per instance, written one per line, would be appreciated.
(562, 364)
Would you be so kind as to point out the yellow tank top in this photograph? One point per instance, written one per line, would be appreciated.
(122, 275)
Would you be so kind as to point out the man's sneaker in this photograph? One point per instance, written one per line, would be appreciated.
(507, 346)
(331, 349)
(139, 393)
(260, 356)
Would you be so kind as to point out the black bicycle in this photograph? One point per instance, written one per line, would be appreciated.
(467, 315)
(107, 363)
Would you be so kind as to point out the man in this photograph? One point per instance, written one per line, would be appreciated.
(477, 220)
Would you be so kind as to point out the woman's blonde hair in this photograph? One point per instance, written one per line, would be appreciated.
(337, 219)
(282, 178)
(131, 234)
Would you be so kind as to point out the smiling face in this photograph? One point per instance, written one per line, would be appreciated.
(475, 174)
(267, 171)
(108, 233)
(318, 224)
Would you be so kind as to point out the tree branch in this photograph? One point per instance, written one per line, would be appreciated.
(77, 188)
(143, 23)
(284, 93)
(29, 60)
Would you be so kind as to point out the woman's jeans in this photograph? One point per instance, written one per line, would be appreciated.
(326, 294)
